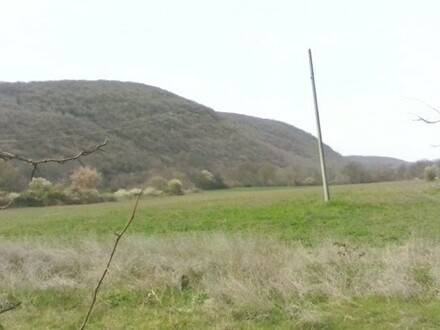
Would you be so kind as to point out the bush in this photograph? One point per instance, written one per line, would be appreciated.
(123, 193)
(7, 197)
(84, 196)
(42, 192)
(27, 199)
(84, 182)
(158, 183)
(85, 178)
(430, 173)
(175, 187)
(207, 181)
(309, 181)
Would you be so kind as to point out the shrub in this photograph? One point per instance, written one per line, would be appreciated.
(309, 181)
(27, 199)
(40, 186)
(175, 187)
(430, 173)
(207, 181)
(159, 183)
(150, 191)
(84, 196)
(42, 192)
(85, 178)
(7, 197)
(122, 193)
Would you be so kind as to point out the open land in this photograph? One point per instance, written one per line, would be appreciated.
(257, 258)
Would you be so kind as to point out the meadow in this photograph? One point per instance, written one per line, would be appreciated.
(256, 258)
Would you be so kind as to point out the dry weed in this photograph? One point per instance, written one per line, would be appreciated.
(229, 269)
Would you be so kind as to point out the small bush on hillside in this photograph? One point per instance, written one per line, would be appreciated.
(85, 196)
(83, 186)
(42, 192)
(207, 181)
(175, 187)
(7, 197)
(309, 181)
(159, 183)
(150, 191)
(85, 178)
(430, 173)
(123, 193)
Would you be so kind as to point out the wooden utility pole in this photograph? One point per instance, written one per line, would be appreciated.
(318, 125)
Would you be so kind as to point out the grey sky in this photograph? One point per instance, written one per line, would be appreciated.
(372, 59)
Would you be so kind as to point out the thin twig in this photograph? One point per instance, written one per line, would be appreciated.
(5, 206)
(10, 307)
(118, 237)
(9, 156)
(424, 119)
(427, 121)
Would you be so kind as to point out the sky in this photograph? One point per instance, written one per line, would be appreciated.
(377, 62)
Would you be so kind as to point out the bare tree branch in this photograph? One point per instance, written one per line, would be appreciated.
(427, 121)
(5, 206)
(424, 119)
(9, 156)
(9, 307)
(118, 237)
(84, 153)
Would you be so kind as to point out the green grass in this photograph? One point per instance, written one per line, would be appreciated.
(373, 219)
(376, 214)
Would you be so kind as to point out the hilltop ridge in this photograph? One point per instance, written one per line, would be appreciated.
(151, 132)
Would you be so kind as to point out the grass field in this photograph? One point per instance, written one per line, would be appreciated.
(267, 258)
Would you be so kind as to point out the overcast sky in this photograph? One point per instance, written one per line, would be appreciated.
(376, 61)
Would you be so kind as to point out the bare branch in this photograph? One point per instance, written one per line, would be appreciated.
(427, 121)
(9, 307)
(424, 119)
(5, 206)
(118, 237)
(9, 156)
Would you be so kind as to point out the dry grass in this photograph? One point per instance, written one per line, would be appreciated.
(229, 269)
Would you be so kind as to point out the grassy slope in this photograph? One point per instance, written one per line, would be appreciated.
(355, 214)
(377, 218)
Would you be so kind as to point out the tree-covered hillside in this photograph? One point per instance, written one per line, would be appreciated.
(151, 132)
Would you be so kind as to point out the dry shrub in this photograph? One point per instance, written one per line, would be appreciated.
(85, 178)
(235, 270)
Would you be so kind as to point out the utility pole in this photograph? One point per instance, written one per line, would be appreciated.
(318, 125)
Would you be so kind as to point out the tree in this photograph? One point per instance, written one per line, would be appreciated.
(267, 174)
(430, 173)
(356, 173)
(85, 178)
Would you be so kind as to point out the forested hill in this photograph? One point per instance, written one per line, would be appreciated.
(151, 132)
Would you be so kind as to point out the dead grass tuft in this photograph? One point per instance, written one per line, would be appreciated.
(236, 270)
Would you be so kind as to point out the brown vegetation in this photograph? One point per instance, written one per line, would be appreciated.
(230, 269)
(156, 133)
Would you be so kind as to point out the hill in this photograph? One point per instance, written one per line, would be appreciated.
(152, 132)
(378, 161)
